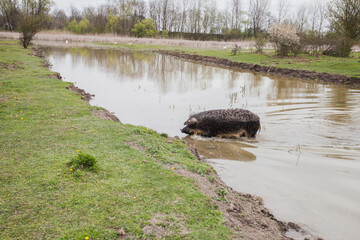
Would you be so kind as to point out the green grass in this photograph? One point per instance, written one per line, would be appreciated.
(323, 64)
(42, 127)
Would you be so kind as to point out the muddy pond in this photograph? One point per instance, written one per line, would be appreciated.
(305, 162)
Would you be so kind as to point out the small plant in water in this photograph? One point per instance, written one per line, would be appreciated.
(164, 135)
(84, 161)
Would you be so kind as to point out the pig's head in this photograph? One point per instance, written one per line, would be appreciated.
(190, 126)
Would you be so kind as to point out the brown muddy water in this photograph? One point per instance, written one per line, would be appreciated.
(305, 162)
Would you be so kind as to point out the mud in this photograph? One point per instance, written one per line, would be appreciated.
(38, 53)
(11, 66)
(84, 95)
(294, 73)
(56, 76)
(105, 114)
(245, 214)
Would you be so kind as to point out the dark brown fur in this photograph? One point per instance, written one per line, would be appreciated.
(223, 123)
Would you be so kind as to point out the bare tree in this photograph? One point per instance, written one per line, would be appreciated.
(155, 13)
(282, 10)
(74, 14)
(183, 17)
(317, 16)
(58, 19)
(165, 13)
(195, 13)
(258, 12)
(236, 14)
(301, 18)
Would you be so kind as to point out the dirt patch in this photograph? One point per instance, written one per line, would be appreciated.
(105, 114)
(135, 145)
(194, 151)
(38, 53)
(11, 66)
(84, 95)
(159, 226)
(245, 214)
(304, 74)
(55, 76)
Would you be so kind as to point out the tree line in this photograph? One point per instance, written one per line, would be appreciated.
(239, 18)
(194, 19)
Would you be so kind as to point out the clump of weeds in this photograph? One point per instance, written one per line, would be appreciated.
(222, 193)
(83, 161)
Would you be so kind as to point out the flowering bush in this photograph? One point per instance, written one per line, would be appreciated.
(284, 37)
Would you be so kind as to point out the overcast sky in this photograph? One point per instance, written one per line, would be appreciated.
(65, 4)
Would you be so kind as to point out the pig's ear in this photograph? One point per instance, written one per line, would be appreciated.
(191, 121)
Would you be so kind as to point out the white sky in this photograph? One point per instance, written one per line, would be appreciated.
(65, 4)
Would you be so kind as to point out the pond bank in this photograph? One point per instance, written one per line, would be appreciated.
(136, 193)
(294, 73)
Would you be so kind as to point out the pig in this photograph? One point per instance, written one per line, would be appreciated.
(223, 123)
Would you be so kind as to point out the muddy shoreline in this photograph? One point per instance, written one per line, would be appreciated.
(245, 214)
(294, 73)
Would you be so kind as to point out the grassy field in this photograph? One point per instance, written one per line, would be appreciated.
(135, 191)
(322, 64)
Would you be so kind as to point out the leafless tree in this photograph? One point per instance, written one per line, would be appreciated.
(258, 12)
(317, 17)
(282, 10)
(155, 13)
(183, 18)
(74, 14)
(236, 14)
(165, 13)
(301, 18)
(195, 13)
(58, 19)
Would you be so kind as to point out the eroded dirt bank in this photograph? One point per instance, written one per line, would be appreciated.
(245, 214)
(295, 73)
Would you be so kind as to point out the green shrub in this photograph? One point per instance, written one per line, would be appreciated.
(164, 135)
(165, 34)
(260, 43)
(84, 161)
(145, 28)
(222, 194)
(339, 46)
